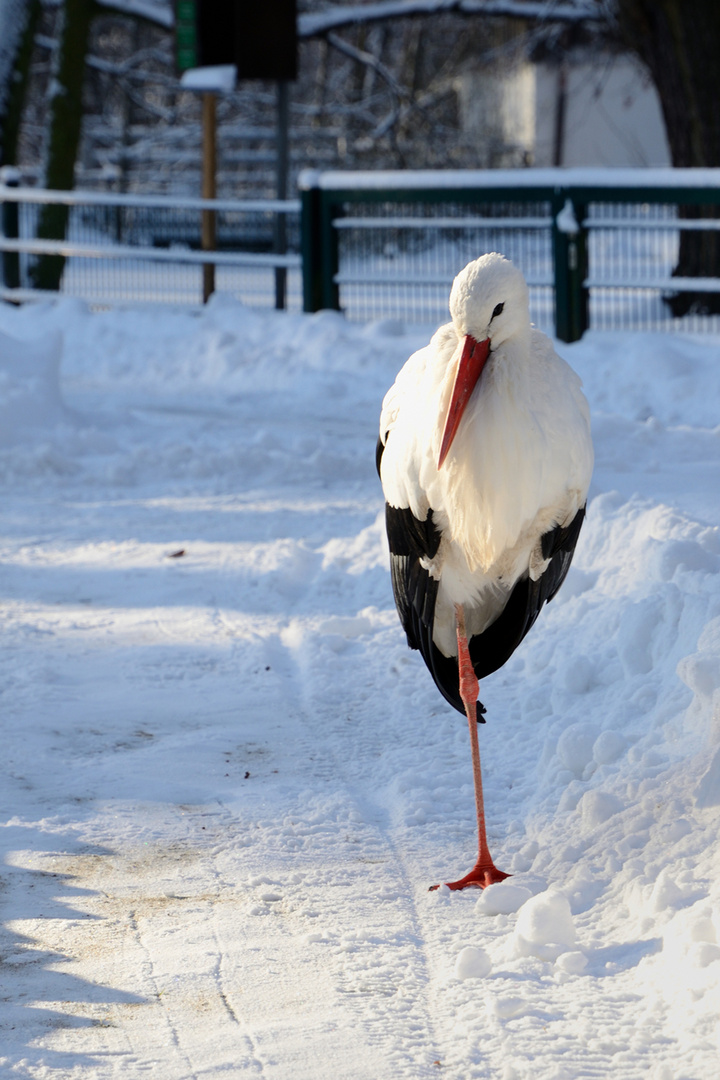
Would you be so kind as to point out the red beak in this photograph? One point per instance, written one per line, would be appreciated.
(472, 361)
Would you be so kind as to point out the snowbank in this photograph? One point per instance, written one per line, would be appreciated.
(230, 784)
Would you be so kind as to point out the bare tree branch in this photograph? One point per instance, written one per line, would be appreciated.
(368, 59)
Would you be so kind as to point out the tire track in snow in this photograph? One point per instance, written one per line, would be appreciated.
(225, 981)
(384, 976)
(162, 913)
(148, 975)
(186, 991)
(180, 1012)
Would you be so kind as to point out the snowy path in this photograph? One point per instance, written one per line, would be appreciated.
(229, 783)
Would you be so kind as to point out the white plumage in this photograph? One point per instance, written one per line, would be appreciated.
(520, 463)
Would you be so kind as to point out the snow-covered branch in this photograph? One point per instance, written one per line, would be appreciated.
(155, 11)
(315, 24)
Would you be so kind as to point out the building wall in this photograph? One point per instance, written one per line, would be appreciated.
(497, 107)
(612, 115)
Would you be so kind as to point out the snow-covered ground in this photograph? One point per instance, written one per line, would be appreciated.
(229, 783)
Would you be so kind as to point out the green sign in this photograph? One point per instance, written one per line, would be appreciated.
(186, 45)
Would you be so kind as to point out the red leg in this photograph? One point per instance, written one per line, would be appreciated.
(484, 872)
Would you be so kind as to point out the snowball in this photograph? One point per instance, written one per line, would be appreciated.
(572, 963)
(504, 898)
(545, 927)
(472, 963)
(579, 675)
(608, 747)
(597, 807)
(507, 1006)
(575, 747)
(665, 893)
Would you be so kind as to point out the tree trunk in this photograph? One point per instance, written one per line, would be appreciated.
(12, 95)
(679, 41)
(65, 122)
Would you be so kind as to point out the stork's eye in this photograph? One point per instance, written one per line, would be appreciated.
(498, 311)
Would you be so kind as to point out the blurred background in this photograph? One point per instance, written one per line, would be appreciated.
(481, 85)
(135, 103)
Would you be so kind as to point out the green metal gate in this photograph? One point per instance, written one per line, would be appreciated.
(554, 223)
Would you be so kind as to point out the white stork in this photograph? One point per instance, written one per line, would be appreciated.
(485, 458)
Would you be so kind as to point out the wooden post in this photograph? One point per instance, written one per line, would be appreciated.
(209, 190)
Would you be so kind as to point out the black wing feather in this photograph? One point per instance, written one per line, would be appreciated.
(494, 647)
(415, 590)
(378, 454)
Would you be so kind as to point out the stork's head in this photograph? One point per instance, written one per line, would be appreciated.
(489, 300)
(489, 305)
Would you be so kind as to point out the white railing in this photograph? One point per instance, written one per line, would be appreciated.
(163, 260)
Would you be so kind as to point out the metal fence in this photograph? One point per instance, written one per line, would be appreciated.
(597, 247)
(398, 261)
(633, 251)
(147, 249)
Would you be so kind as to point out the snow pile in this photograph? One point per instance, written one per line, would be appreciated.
(30, 398)
(545, 927)
(229, 783)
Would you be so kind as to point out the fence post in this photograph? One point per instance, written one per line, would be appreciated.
(571, 265)
(209, 188)
(310, 246)
(9, 226)
(280, 239)
(319, 246)
(329, 210)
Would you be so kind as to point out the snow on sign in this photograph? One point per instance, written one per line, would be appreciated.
(261, 40)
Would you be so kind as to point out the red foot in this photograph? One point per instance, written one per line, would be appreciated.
(478, 878)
